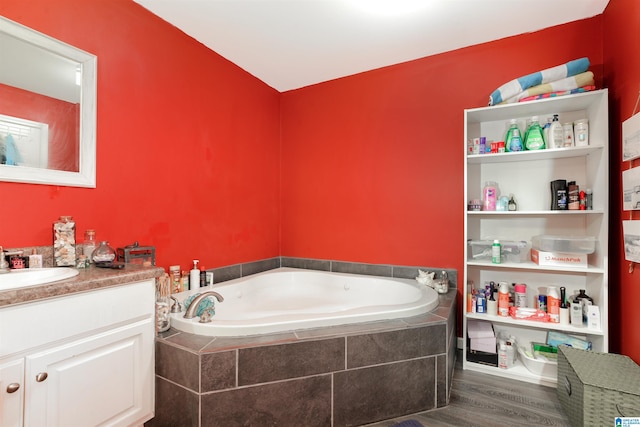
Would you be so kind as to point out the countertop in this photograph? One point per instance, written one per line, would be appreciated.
(88, 279)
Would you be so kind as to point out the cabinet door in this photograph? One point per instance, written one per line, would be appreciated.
(11, 393)
(105, 379)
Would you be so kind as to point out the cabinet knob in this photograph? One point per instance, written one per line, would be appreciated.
(13, 387)
(41, 377)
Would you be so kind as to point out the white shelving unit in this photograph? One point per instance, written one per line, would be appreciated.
(527, 175)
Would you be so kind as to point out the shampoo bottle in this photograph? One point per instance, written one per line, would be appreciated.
(559, 195)
(534, 137)
(489, 196)
(194, 275)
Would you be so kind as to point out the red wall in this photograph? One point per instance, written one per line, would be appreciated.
(622, 76)
(188, 143)
(372, 164)
(62, 117)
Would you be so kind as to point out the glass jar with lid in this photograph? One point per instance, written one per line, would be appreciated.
(90, 244)
(64, 242)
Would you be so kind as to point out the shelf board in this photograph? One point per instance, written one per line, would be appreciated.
(536, 213)
(521, 156)
(529, 265)
(507, 320)
(517, 372)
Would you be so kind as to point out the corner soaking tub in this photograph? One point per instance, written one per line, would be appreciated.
(287, 299)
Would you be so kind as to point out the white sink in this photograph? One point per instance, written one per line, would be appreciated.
(34, 276)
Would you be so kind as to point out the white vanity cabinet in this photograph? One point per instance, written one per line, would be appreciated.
(84, 359)
(527, 175)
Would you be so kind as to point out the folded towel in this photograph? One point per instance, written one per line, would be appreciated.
(559, 93)
(512, 88)
(573, 82)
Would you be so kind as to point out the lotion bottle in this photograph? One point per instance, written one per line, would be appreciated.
(556, 136)
(194, 275)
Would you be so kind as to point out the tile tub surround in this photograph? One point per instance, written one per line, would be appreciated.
(236, 271)
(336, 376)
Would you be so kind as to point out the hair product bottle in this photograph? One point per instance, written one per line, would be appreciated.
(553, 304)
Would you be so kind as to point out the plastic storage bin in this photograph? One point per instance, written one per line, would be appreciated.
(564, 244)
(512, 251)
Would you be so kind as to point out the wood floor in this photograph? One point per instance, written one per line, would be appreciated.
(483, 400)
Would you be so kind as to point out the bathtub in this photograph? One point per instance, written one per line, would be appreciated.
(287, 299)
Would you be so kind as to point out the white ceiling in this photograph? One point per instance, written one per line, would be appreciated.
(289, 44)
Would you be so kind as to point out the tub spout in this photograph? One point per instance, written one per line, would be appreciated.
(193, 307)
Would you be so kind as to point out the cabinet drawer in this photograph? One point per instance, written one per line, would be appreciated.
(37, 324)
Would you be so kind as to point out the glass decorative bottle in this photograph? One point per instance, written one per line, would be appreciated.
(90, 244)
(64, 242)
(103, 253)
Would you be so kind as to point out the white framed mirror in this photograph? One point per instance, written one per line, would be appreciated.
(48, 92)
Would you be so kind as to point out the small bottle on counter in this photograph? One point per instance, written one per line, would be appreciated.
(90, 244)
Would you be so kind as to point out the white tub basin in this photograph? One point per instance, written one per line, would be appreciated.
(34, 276)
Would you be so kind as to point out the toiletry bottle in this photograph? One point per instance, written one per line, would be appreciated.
(581, 132)
(489, 196)
(35, 259)
(553, 304)
(573, 193)
(503, 299)
(585, 301)
(512, 205)
(545, 131)
(555, 139)
(203, 276)
(567, 134)
(559, 195)
(513, 139)
(496, 252)
(564, 308)
(184, 281)
(492, 304)
(534, 137)
(502, 355)
(589, 199)
(194, 275)
(575, 313)
(176, 284)
(520, 298)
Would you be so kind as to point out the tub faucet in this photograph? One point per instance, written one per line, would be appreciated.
(193, 307)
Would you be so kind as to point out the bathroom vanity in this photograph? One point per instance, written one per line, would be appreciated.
(79, 351)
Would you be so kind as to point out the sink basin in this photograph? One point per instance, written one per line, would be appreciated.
(34, 276)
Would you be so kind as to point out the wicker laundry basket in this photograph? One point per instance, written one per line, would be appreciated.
(595, 388)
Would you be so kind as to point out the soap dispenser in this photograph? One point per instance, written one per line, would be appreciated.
(194, 275)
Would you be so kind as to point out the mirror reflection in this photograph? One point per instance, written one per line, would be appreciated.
(47, 109)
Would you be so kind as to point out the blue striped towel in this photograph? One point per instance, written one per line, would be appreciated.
(516, 86)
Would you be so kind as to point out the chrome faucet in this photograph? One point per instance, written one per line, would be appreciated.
(193, 307)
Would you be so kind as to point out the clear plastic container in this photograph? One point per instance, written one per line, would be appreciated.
(566, 244)
(512, 251)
